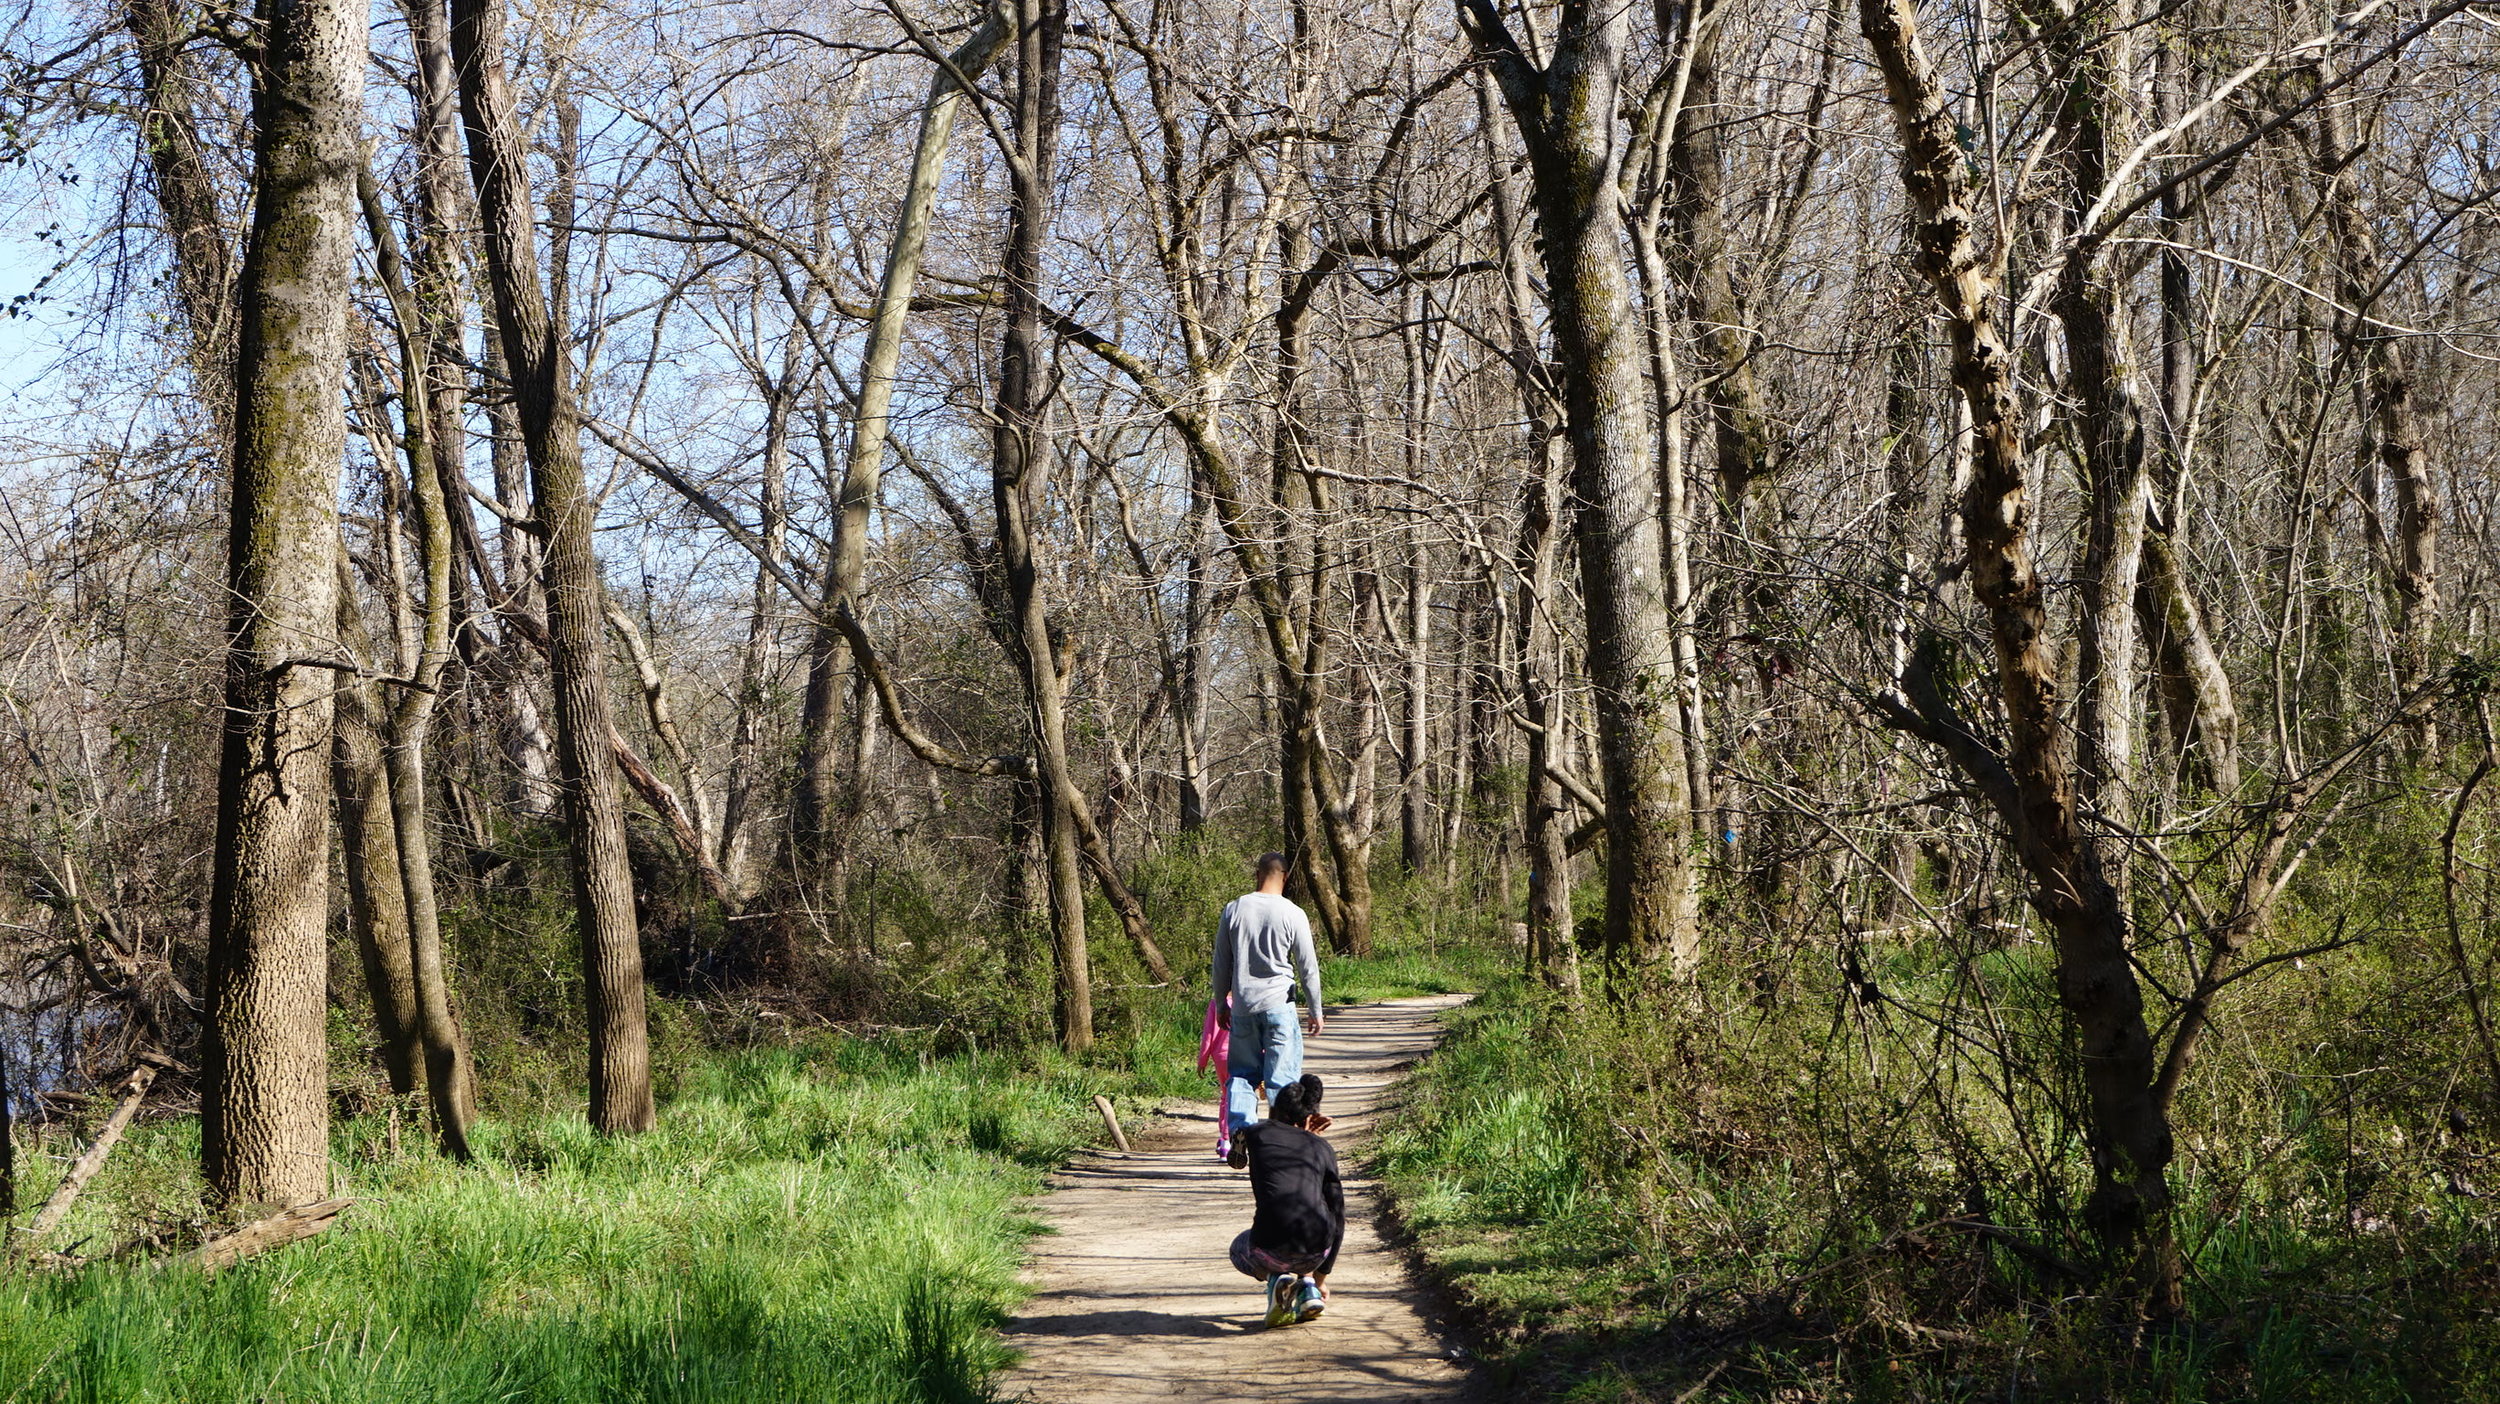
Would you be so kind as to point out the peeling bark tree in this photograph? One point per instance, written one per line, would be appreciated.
(264, 1110)
(2032, 784)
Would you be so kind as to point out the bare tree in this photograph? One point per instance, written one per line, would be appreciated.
(531, 331)
(1566, 113)
(2032, 784)
(264, 1135)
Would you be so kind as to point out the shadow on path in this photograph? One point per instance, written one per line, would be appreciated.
(1135, 1299)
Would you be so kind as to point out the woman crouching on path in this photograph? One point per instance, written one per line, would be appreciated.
(1300, 1220)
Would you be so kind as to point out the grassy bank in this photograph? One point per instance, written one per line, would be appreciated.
(828, 1217)
(829, 1220)
(1733, 1199)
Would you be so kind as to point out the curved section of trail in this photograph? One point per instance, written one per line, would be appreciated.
(1134, 1299)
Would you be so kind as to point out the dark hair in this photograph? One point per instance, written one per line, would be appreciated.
(1298, 1102)
(1272, 865)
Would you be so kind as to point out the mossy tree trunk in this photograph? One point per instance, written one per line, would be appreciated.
(264, 1110)
(195, 215)
(1566, 113)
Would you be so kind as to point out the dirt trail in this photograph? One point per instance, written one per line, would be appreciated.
(1135, 1300)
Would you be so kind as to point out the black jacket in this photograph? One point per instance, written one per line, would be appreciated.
(1301, 1198)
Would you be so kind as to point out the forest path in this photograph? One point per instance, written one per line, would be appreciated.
(1135, 1299)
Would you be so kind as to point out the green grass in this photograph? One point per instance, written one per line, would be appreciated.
(832, 1221)
(1619, 1207)
(817, 1217)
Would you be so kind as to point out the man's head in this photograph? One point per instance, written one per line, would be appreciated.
(1270, 874)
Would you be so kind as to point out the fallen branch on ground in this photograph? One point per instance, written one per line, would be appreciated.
(276, 1231)
(65, 1194)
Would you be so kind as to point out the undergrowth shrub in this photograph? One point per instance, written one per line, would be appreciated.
(1833, 1191)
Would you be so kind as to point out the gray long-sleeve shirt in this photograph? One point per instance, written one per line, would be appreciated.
(1262, 940)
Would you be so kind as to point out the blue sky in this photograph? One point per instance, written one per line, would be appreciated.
(27, 343)
(50, 190)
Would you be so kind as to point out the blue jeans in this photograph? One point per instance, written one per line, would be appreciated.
(1267, 1047)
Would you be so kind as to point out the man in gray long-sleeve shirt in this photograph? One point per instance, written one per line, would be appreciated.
(1259, 945)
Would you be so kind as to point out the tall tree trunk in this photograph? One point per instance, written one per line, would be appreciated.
(1698, 248)
(1020, 467)
(1415, 722)
(1553, 949)
(819, 779)
(1483, 645)
(1028, 878)
(1314, 832)
(2108, 418)
(264, 1108)
(2196, 693)
(1566, 114)
(2032, 785)
(2392, 431)
(526, 744)
(449, 1079)
(1668, 394)
(1197, 663)
(1552, 953)
(542, 378)
(755, 660)
(203, 269)
(1362, 805)
(377, 901)
(1337, 878)
(1906, 473)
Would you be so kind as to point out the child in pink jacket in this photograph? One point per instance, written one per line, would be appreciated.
(1215, 1045)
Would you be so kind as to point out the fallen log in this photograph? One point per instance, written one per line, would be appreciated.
(66, 1193)
(259, 1236)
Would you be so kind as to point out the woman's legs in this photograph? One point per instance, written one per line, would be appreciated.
(1256, 1262)
(1248, 1259)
